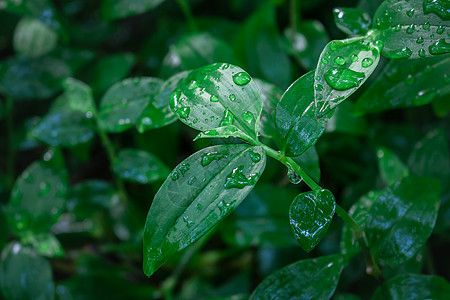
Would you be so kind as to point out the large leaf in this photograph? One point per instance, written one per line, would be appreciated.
(117, 9)
(295, 118)
(33, 38)
(390, 166)
(125, 101)
(413, 29)
(200, 191)
(24, 275)
(139, 166)
(402, 218)
(40, 9)
(315, 278)
(343, 67)
(405, 83)
(218, 95)
(352, 20)
(413, 286)
(310, 216)
(26, 78)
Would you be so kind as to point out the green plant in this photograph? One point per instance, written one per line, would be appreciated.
(397, 197)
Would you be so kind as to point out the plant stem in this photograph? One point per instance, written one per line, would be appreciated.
(358, 232)
(9, 129)
(188, 14)
(294, 15)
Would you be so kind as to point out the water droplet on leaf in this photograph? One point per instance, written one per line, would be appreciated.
(343, 79)
(207, 158)
(339, 60)
(241, 78)
(367, 62)
(227, 118)
(237, 179)
(294, 178)
(255, 157)
(214, 98)
(247, 116)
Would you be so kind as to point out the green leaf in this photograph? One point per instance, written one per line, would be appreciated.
(402, 218)
(139, 166)
(78, 96)
(346, 121)
(118, 9)
(352, 21)
(343, 67)
(33, 38)
(194, 51)
(45, 244)
(4, 231)
(390, 166)
(315, 278)
(157, 113)
(24, 275)
(262, 219)
(413, 286)
(295, 118)
(91, 195)
(39, 195)
(413, 29)
(310, 215)
(28, 78)
(218, 95)
(309, 162)
(42, 10)
(198, 194)
(270, 95)
(124, 102)
(406, 83)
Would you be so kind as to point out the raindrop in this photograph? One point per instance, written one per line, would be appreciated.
(339, 60)
(183, 112)
(255, 157)
(410, 29)
(192, 180)
(439, 47)
(410, 12)
(232, 97)
(354, 57)
(397, 27)
(419, 40)
(237, 179)
(343, 79)
(207, 158)
(247, 116)
(174, 175)
(400, 53)
(367, 62)
(241, 78)
(424, 97)
(426, 26)
(324, 60)
(184, 168)
(294, 178)
(227, 118)
(422, 53)
(440, 29)
(192, 85)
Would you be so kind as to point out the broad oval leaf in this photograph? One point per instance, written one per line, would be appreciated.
(78, 96)
(125, 101)
(406, 83)
(139, 166)
(33, 38)
(24, 275)
(413, 29)
(390, 166)
(352, 21)
(402, 218)
(270, 95)
(343, 67)
(413, 286)
(310, 216)
(295, 118)
(218, 95)
(118, 9)
(315, 278)
(198, 194)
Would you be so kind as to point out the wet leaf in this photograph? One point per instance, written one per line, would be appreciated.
(310, 215)
(315, 278)
(295, 118)
(413, 286)
(343, 67)
(345, 121)
(45, 244)
(390, 166)
(78, 96)
(309, 162)
(118, 9)
(412, 29)
(139, 166)
(270, 95)
(33, 38)
(352, 21)
(24, 275)
(218, 95)
(198, 194)
(125, 101)
(402, 218)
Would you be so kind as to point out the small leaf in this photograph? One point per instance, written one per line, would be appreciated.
(270, 95)
(139, 166)
(310, 216)
(295, 118)
(390, 166)
(402, 218)
(118, 9)
(33, 38)
(25, 275)
(42, 10)
(78, 97)
(406, 83)
(125, 101)
(352, 21)
(198, 194)
(45, 244)
(218, 95)
(412, 29)
(346, 121)
(413, 286)
(315, 278)
(343, 67)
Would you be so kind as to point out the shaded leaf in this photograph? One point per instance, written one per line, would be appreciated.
(198, 194)
(117, 9)
(45, 244)
(33, 38)
(43, 10)
(345, 121)
(78, 96)
(352, 21)
(390, 166)
(270, 95)
(309, 161)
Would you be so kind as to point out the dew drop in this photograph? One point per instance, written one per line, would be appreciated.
(227, 119)
(343, 79)
(410, 79)
(255, 157)
(354, 57)
(426, 26)
(294, 178)
(424, 97)
(422, 53)
(440, 8)
(241, 78)
(440, 29)
(192, 85)
(400, 53)
(339, 60)
(439, 47)
(188, 222)
(324, 60)
(419, 40)
(198, 207)
(232, 97)
(44, 188)
(410, 12)
(366, 62)
(247, 116)
(207, 158)
(397, 27)
(410, 29)
(183, 112)
(184, 168)
(192, 180)
(174, 175)
(214, 98)
(237, 179)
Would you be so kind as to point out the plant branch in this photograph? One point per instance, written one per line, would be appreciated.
(188, 15)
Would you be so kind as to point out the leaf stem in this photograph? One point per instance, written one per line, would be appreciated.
(9, 129)
(293, 15)
(188, 15)
(359, 234)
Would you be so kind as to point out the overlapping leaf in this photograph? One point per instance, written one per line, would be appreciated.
(117, 9)
(352, 21)
(33, 38)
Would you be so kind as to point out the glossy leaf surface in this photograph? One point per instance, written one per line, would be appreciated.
(352, 21)
(390, 166)
(125, 101)
(33, 38)
(413, 286)
(139, 166)
(295, 118)
(117, 9)
(24, 275)
(402, 218)
(270, 95)
(218, 95)
(405, 83)
(310, 215)
(315, 278)
(309, 162)
(198, 194)
(413, 29)
(343, 67)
